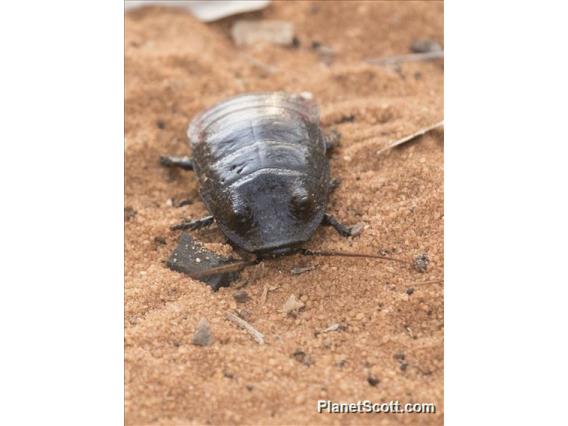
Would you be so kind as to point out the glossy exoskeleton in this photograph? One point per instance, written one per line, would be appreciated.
(263, 172)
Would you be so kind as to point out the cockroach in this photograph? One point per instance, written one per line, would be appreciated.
(263, 173)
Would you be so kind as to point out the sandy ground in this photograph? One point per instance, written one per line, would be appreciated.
(392, 347)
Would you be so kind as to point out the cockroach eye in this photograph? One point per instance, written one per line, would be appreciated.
(300, 201)
(241, 212)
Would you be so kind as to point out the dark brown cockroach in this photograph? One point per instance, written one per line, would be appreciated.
(263, 172)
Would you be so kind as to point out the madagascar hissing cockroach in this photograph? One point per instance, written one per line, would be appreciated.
(263, 172)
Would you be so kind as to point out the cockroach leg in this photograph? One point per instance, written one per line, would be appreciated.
(332, 140)
(192, 225)
(182, 162)
(341, 229)
(334, 184)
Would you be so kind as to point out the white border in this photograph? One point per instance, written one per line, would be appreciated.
(61, 306)
(506, 213)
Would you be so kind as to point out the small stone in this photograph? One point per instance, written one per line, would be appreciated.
(303, 357)
(425, 46)
(299, 270)
(202, 335)
(409, 290)
(244, 314)
(341, 360)
(399, 356)
(335, 327)
(372, 380)
(421, 262)
(292, 305)
(159, 241)
(129, 213)
(357, 229)
(247, 33)
(241, 296)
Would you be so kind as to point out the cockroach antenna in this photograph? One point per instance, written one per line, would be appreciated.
(239, 265)
(307, 252)
(234, 266)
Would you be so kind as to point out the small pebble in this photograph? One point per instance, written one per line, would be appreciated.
(421, 262)
(247, 32)
(357, 229)
(425, 46)
(160, 241)
(335, 327)
(299, 270)
(372, 380)
(129, 213)
(399, 356)
(241, 296)
(292, 305)
(340, 360)
(303, 358)
(244, 314)
(202, 335)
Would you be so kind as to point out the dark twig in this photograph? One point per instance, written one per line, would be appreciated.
(412, 57)
(411, 137)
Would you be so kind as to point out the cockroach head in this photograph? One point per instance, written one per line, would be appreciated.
(273, 213)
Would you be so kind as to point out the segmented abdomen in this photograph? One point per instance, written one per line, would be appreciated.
(257, 133)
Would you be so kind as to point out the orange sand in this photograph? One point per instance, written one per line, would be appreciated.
(175, 67)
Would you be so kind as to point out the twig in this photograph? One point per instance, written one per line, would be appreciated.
(414, 135)
(264, 295)
(257, 335)
(425, 283)
(413, 57)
